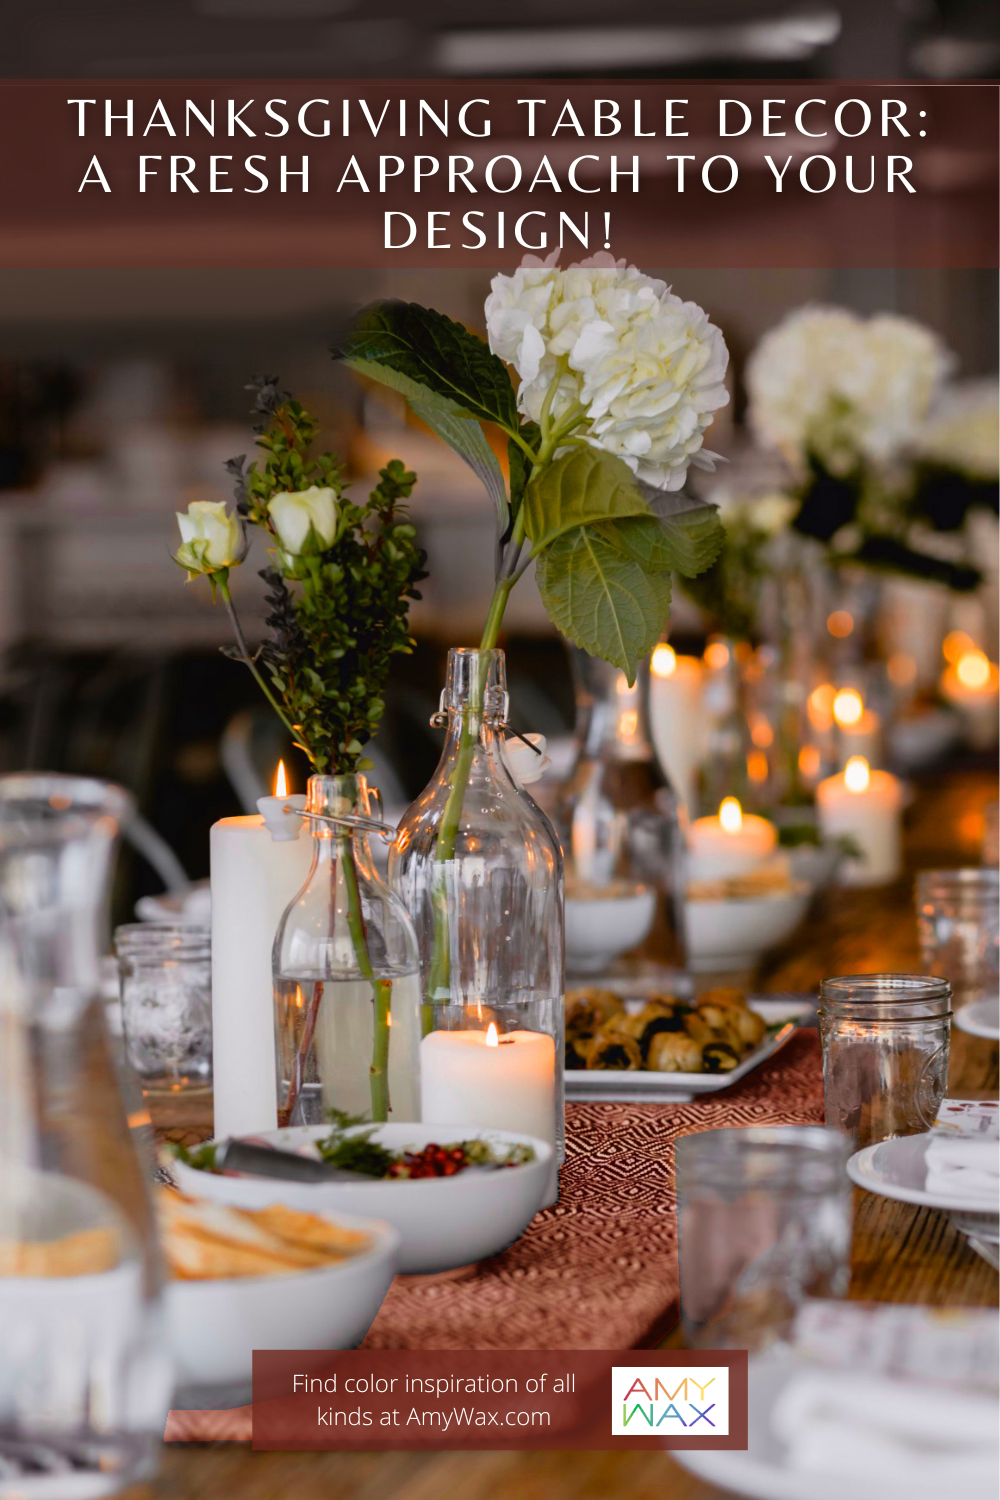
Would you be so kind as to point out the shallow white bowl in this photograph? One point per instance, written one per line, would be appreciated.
(215, 1326)
(733, 934)
(598, 929)
(442, 1222)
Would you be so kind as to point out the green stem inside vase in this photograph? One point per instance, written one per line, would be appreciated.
(381, 988)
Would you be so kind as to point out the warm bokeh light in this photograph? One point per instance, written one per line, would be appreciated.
(761, 732)
(856, 774)
(622, 687)
(901, 670)
(840, 624)
(848, 707)
(716, 655)
(280, 781)
(955, 644)
(628, 725)
(492, 1036)
(731, 815)
(664, 661)
(973, 669)
(757, 766)
(809, 762)
(821, 705)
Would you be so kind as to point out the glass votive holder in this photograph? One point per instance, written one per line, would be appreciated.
(165, 977)
(764, 1220)
(958, 924)
(885, 1040)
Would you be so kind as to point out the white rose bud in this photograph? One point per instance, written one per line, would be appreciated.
(211, 538)
(305, 522)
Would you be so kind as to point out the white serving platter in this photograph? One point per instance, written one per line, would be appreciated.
(897, 1169)
(785, 1013)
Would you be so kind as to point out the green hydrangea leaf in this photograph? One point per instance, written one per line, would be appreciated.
(686, 534)
(402, 338)
(584, 487)
(601, 598)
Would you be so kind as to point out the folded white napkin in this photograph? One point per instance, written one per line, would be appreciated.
(965, 1167)
(888, 1431)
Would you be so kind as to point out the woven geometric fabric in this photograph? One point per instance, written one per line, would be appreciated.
(599, 1269)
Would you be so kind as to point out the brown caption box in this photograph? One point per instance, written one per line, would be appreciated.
(525, 1399)
(950, 220)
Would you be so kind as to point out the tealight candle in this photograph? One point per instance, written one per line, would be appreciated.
(730, 844)
(500, 1082)
(256, 868)
(971, 685)
(676, 719)
(864, 806)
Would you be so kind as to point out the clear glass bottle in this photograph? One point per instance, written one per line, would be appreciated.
(617, 817)
(346, 985)
(478, 866)
(84, 1378)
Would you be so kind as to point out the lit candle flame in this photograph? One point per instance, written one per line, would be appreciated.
(973, 669)
(280, 781)
(848, 707)
(856, 774)
(664, 661)
(492, 1036)
(731, 815)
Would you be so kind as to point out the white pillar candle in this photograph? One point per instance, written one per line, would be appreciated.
(498, 1082)
(676, 718)
(730, 844)
(859, 729)
(254, 877)
(864, 806)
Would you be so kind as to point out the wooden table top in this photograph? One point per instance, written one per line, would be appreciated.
(899, 1253)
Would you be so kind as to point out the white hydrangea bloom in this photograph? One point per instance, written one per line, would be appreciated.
(648, 368)
(845, 388)
(963, 432)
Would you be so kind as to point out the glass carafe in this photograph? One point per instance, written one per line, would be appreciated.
(346, 985)
(617, 817)
(84, 1381)
(479, 868)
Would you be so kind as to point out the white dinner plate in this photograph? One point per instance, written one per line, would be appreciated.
(598, 1083)
(443, 1222)
(897, 1169)
(981, 1018)
(760, 1471)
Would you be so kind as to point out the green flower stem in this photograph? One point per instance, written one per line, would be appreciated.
(381, 988)
(227, 599)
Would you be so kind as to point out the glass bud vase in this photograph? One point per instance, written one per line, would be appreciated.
(346, 985)
(84, 1376)
(617, 817)
(479, 868)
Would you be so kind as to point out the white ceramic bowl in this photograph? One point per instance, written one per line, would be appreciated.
(216, 1325)
(733, 934)
(442, 1222)
(598, 929)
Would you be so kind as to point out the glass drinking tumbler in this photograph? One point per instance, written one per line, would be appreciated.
(958, 922)
(885, 1040)
(165, 975)
(764, 1220)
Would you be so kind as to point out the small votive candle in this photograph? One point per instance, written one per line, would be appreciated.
(866, 807)
(971, 684)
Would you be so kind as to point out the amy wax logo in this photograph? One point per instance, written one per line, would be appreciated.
(683, 1401)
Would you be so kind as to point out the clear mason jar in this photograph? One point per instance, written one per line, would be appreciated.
(84, 1375)
(617, 820)
(165, 978)
(478, 867)
(346, 982)
(885, 1040)
(958, 924)
(764, 1220)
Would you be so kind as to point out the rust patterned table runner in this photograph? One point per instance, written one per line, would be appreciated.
(598, 1270)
